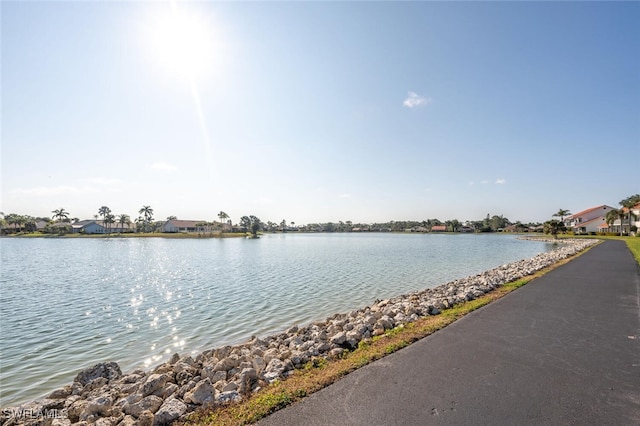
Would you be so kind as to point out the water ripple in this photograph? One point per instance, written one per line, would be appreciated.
(67, 304)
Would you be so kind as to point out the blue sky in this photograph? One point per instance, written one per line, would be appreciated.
(322, 111)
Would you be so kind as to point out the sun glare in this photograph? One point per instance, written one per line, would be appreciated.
(181, 41)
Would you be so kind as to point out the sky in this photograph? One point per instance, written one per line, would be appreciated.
(319, 111)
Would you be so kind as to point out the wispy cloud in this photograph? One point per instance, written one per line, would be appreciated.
(498, 181)
(162, 166)
(344, 195)
(414, 100)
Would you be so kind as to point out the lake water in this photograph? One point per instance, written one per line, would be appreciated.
(67, 304)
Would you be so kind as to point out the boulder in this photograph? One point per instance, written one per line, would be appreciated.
(247, 378)
(146, 418)
(222, 352)
(168, 390)
(154, 383)
(150, 403)
(170, 411)
(201, 394)
(338, 338)
(128, 421)
(61, 421)
(231, 386)
(228, 397)
(226, 364)
(108, 370)
(98, 406)
(274, 370)
(61, 393)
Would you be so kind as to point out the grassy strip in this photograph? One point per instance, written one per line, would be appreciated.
(634, 247)
(321, 373)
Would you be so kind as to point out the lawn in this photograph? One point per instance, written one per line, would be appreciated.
(634, 246)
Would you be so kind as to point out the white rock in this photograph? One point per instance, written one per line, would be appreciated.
(202, 393)
(154, 383)
(151, 403)
(170, 410)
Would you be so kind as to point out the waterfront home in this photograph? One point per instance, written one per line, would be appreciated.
(417, 229)
(41, 225)
(439, 228)
(624, 223)
(176, 225)
(588, 220)
(99, 227)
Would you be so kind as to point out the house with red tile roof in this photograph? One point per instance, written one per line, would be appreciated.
(635, 211)
(615, 226)
(589, 220)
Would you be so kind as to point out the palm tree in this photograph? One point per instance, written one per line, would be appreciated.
(108, 220)
(147, 212)
(613, 215)
(139, 224)
(60, 214)
(16, 220)
(627, 204)
(104, 211)
(561, 213)
(223, 216)
(124, 219)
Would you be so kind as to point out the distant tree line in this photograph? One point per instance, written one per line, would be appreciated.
(60, 222)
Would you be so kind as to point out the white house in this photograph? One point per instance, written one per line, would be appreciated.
(176, 225)
(590, 220)
(635, 210)
(615, 226)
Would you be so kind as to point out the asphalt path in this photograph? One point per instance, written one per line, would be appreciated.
(562, 350)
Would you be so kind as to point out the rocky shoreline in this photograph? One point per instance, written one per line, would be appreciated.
(104, 396)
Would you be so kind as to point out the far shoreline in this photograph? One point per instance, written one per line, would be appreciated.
(194, 235)
(177, 235)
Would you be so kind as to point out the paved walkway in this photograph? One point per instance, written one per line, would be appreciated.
(562, 350)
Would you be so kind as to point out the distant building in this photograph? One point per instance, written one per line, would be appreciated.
(99, 227)
(439, 228)
(176, 225)
(589, 220)
(624, 224)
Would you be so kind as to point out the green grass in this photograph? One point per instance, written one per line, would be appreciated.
(634, 246)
